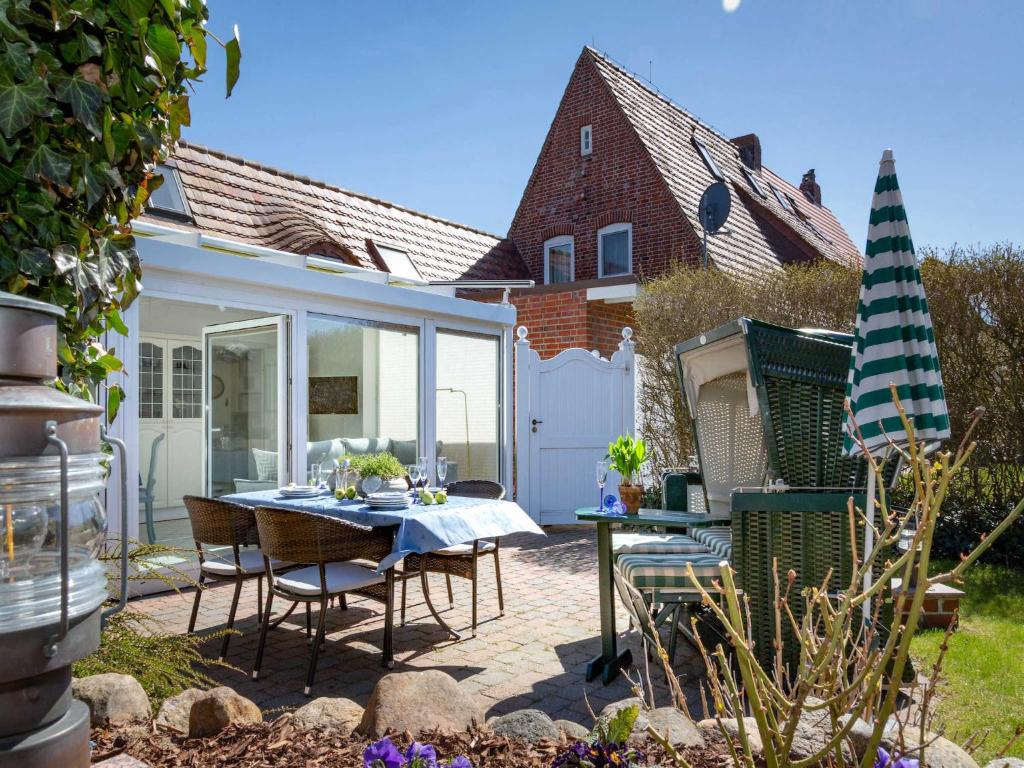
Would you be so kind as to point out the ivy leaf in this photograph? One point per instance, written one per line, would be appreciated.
(15, 59)
(46, 163)
(95, 179)
(85, 99)
(64, 259)
(20, 103)
(233, 53)
(179, 114)
(163, 44)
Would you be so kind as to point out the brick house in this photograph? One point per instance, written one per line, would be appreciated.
(613, 200)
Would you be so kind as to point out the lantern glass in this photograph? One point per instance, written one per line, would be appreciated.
(30, 525)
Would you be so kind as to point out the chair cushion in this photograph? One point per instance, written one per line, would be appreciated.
(341, 577)
(266, 465)
(655, 544)
(250, 559)
(465, 549)
(718, 540)
(669, 571)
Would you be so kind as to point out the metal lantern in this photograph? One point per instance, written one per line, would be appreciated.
(52, 528)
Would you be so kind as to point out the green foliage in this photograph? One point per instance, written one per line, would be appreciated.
(618, 729)
(384, 465)
(92, 93)
(137, 644)
(628, 456)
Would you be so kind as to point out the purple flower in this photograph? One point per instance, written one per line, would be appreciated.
(894, 761)
(460, 762)
(382, 754)
(421, 756)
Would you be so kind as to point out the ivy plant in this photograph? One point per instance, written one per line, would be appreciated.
(93, 93)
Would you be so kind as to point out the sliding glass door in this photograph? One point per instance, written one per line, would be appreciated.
(246, 398)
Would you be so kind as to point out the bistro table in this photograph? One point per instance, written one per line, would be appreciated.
(610, 661)
(420, 528)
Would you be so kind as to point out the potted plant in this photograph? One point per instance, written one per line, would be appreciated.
(627, 457)
(378, 472)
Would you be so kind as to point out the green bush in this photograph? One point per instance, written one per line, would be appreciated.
(384, 465)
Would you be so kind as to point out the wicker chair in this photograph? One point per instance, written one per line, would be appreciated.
(459, 560)
(331, 546)
(218, 523)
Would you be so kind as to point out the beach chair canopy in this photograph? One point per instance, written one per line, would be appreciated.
(767, 404)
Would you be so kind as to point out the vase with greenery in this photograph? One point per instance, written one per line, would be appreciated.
(383, 466)
(628, 457)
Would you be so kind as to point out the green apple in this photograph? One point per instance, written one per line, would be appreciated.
(441, 497)
(350, 493)
(426, 497)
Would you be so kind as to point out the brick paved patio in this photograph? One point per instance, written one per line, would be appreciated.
(534, 656)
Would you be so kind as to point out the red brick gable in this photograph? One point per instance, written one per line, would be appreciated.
(570, 193)
(645, 169)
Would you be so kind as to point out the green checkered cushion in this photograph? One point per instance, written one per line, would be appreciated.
(718, 540)
(655, 544)
(669, 571)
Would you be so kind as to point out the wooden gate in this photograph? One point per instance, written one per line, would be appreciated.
(568, 409)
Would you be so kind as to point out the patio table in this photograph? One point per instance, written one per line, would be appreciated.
(610, 661)
(420, 528)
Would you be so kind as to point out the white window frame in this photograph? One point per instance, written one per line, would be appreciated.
(586, 140)
(557, 242)
(609, 230)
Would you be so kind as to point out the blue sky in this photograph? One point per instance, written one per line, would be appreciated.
(443, 107)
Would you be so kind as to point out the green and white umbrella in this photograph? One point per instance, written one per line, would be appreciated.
(894, 342)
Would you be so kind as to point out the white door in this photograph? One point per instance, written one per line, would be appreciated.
(246, 405)
(568, 409)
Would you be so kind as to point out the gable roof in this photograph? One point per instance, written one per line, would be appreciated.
(757, 225)
(240, 200)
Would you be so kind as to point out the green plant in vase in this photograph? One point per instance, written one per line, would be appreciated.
(628, 457)
(378, 471)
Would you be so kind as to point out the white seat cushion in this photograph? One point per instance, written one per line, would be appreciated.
(465, 549)
(341, 577)
(251, 561)
(655, 544)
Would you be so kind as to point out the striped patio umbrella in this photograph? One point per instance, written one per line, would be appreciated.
(894, 342)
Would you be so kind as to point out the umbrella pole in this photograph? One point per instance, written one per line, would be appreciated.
(869, 538)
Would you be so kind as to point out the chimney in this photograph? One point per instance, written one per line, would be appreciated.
(750, 150)
(810, 187)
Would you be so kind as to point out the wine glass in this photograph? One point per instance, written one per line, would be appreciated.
(423, 470)
(602, 477)
(315, 473)
(442, 470)
(414, 475)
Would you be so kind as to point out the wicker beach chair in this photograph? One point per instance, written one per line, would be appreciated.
(330, 546)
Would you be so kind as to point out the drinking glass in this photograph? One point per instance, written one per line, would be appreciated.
(442, 469)
(315, 473)
(424, 473)
(414, 475)
(602, 477)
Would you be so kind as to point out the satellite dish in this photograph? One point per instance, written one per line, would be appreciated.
(714, 207)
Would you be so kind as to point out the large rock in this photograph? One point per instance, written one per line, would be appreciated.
(681, 730)
(218, 708)
(112, 698)
(121, 761)
(342, 715)
(573, 731)
(710, 731)
(418, 701)
(940, 752)
(813, 733)
(175, 711)
(1006, 762)
(529, 725)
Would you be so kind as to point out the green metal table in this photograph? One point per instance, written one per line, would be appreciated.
(610, 662)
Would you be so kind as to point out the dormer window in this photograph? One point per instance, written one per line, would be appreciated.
(559, 260)
(586, 139)
(396, 261)
(615, 250)
(709, 161)
(168, 199)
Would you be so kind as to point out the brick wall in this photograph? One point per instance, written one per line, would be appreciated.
(558, 321)
(573, 194)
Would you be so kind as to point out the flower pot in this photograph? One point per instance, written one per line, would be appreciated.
(373, 484)
(631, 496)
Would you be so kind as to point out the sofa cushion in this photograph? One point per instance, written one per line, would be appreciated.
(321, 451)
(404, 450)
(266, 465)
(360, 446)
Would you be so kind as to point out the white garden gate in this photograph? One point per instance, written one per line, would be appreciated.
(568, 409)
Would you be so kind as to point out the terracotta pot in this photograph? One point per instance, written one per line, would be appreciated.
(631, 496)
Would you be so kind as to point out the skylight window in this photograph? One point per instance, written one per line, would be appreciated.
(780, 197)
(709, 161)
(811, 225)
(754, 183)
(168, 198)
(397, 262)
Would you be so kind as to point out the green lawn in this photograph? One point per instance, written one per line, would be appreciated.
(984, 667)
